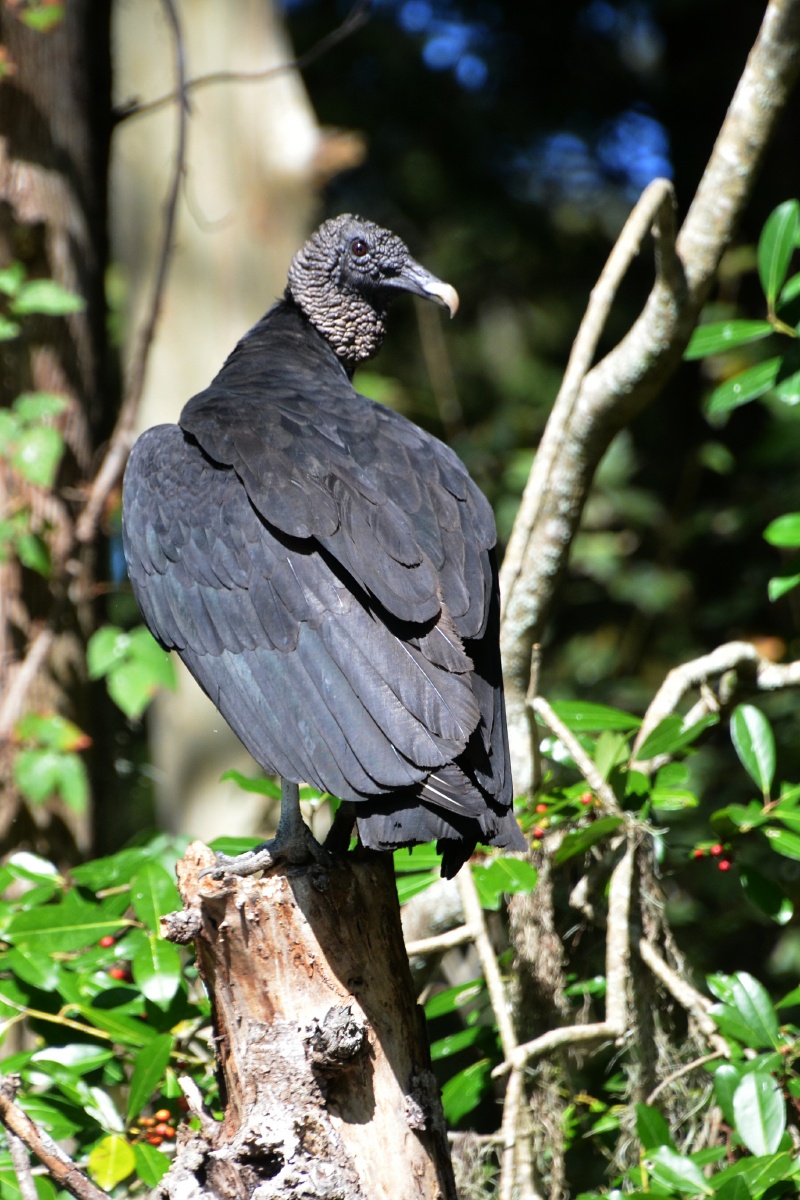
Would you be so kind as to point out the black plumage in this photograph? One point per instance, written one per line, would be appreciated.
(325, 568)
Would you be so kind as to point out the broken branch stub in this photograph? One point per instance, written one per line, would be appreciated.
(322, 1053)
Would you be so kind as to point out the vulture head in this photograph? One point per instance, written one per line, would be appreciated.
(345, 277)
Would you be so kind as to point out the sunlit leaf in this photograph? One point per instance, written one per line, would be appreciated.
(38, 453)
(677, 1172)
(670, 735)
(262, 787)
(111, 1161)
(464, 1091)
(151, 1164)
(754, 743)
(748, 1014)
(719, 336)
(775, 248)
(747, 385)
(156, 970)
(584, 716)
(447, 1046)
(784, 531)
(47, 297)
(784, 842)
(504, 876)
(726, 1080)
(760, 1112)
(148, 1068)
(782, 583)
(153, 895)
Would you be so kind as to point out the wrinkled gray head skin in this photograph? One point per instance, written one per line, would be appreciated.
(345, 277)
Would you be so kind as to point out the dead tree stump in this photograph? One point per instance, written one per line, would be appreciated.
(322, 1053)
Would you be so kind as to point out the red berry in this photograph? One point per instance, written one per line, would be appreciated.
(540, 808)
(724, 864)
(148, 1122)
(118, 973)
(698, 853)
(538, 832)
(154, 1139)
(587, 798)
(163, 1114)
(106, 941)
(716, 849)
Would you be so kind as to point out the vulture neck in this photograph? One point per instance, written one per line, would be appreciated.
(353, 326)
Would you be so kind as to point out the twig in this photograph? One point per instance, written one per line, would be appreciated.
(515, 1094)
(475, 919)
(442, 941)
(581, 759)
(19, 1154)
(684, 1070)
(744, 669)
(694, 1002)
(59, 1165)
(22, 679)
(122, 437)
(358, 16)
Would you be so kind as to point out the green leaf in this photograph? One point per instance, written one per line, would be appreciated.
(651, 1128)
(263, 787)
(502, 877)
(464, 1091)
(128, 1031)
(754, 743)
(760, 1173)
(111, 1161)
(784, 531)
(156, 970)
(79, 1057)
(153, 895)
(747, 385)
(581, 840)
(12, 278)
(584, 717)
(37, 454)
(670, 735)
(148, 1069)
(719, 336)
(734, 1189)
(450, 999)
(36, 406)
(39, 970)
(70, 925)
(33, 553)
(783, 842)
(151, 1163)
(780, 584)
(131, 686)
(52, 730)
(447, 1046)
(787, 385)
(417, 858)
(790, 290)
(748, 1014)
(42, 773)
(676, 1172)
(46, 296)
(775, 247)
(412, 884)
(766, 896)
(726, 1080)
(760, 1112)
(8, 329)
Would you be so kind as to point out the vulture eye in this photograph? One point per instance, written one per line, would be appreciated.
(358, 248)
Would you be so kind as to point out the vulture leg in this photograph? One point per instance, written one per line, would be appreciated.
(293, 842)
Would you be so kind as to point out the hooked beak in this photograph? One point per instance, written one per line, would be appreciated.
(415, 279)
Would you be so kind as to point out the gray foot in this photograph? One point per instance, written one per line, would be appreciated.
(301, 848)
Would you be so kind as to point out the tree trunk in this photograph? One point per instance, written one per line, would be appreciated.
(323, 1061)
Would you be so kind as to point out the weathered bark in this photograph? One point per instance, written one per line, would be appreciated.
(323, 1059)
(55, 127)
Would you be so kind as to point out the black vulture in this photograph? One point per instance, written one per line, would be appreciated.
(325, 569)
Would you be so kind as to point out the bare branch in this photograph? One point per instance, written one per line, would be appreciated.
(22, 679)
(684, 1070)
(443, 941)
(631, 375)
(358, 16)
(741, 671)
(473, 911)
(122, 438)
(695, 1003)
(59, 1165)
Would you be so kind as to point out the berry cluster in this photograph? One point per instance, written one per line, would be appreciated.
(722, 854)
